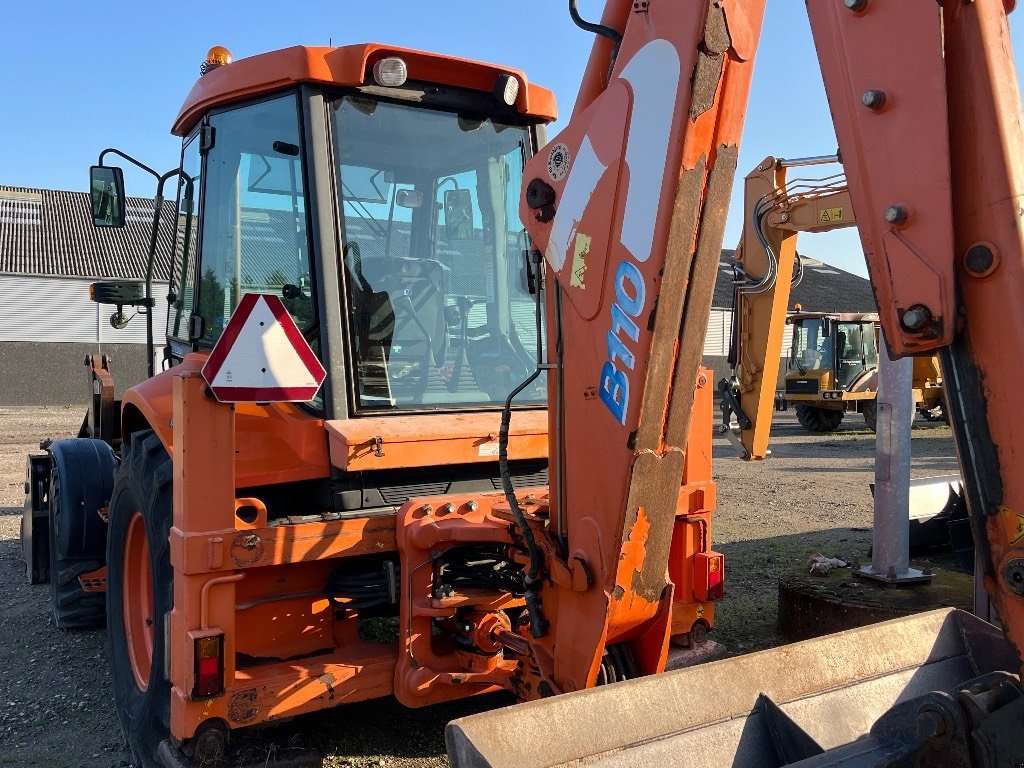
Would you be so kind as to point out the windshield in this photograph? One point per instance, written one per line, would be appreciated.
(812, 346)
(438, 314)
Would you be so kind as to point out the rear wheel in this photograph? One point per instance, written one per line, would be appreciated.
(140, 594)
(818, 420)
(73, 607)
(870, 411)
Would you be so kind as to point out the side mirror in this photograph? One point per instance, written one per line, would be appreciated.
(458, 214)
(106, 193)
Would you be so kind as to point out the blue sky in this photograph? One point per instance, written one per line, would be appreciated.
(81, 76)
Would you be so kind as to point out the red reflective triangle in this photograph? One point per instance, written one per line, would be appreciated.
(262, 356)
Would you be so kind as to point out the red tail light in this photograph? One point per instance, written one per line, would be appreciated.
(209, 666)
(709, 576)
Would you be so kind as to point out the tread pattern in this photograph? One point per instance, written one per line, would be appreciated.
(73, 607)
(818, 420)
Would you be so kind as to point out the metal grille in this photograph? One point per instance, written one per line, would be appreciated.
(801, 386)
(397, 495)
(524, 477)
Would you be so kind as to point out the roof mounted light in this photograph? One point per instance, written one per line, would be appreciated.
(391, 71)
(217, 56)
(507, 89)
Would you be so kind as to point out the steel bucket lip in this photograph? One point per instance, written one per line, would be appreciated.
(711, 703)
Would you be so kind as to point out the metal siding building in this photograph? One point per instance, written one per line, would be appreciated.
(49, 254)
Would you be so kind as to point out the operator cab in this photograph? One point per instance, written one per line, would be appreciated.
(374, 190)
(384, 213)
(841, 347)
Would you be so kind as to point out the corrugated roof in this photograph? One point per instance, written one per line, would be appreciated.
(50, 232)
(824, 288)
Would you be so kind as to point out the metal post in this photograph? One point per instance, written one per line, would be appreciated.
(890, 549)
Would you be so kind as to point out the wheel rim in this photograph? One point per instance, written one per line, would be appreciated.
(137, 599)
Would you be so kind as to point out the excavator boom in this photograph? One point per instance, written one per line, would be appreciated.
(627, 206)
(776, 210)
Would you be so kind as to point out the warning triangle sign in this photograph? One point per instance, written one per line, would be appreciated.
(262, 356)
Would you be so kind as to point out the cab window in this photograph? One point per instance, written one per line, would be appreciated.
(254, 237)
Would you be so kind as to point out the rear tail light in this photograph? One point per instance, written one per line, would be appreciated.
(709, 576)
(209, 666)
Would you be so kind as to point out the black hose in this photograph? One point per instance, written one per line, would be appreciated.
(470, 567)
(537, 624)
(597, 29)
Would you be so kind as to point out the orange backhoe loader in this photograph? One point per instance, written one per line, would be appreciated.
(832, 360)
(249, 545)
(467, 504)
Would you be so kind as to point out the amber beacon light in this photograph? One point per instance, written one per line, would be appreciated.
(217, 56)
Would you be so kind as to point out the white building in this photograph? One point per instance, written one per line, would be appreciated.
(49, 254)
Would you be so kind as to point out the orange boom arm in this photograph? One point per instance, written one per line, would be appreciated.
(627, 206)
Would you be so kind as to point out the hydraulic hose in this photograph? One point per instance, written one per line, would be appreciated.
(538, 626)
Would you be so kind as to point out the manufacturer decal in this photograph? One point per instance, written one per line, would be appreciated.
(559, 160)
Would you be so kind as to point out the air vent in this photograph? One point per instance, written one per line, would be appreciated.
(801, 386)
(525, 477)
(397, 495)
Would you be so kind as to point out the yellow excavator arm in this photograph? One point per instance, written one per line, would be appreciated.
(776, 209)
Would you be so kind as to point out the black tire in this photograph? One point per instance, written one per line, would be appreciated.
(870, 411)
(73, 607)
(142, 486)
(818, 420)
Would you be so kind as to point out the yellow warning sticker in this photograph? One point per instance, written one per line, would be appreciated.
(700, 609)
(829, 215)
(578, 278)
(1014, 525)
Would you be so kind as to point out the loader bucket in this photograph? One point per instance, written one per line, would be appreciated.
(936, 504)
(934, 501)
(769, 708)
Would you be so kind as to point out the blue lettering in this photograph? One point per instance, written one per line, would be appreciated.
(617, 349)
(630, 297)
(628, 272)
(614, 391)
(622, 322)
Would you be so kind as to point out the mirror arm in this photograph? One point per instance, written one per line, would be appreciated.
(130, 159)
(158, 206)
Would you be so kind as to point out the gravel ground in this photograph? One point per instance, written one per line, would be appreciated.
(55, 699)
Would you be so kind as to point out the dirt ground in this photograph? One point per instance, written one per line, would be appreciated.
(55, 698)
